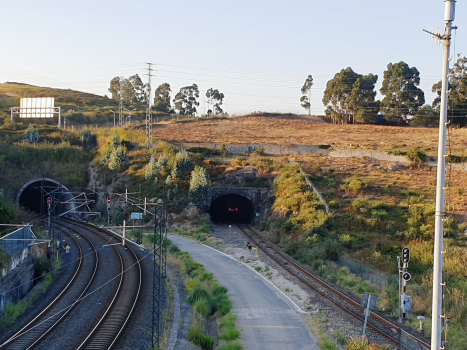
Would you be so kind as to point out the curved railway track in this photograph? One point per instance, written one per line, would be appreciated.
(379, 324)
(42, 325)
(110, 326)
(105, 331)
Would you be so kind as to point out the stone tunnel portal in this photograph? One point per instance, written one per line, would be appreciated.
(232, 208)
(30, 198)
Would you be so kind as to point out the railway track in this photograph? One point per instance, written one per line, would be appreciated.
(43, 324)
(104, 331)
(379, 324)
(110, 326)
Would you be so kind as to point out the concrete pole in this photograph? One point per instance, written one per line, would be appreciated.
(436, 327)
(123, 235)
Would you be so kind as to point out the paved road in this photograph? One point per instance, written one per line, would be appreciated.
(268, 322)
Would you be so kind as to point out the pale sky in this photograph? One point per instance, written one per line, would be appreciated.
(258, 53)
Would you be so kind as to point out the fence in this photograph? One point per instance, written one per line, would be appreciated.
(365, 272)
(16, 245)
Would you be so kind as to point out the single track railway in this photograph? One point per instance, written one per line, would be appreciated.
(377, 323)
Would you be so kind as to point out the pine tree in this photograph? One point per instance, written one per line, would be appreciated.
(31, 134)
(119, 158)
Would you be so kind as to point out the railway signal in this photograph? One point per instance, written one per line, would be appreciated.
(109, 202)
(406, 276)
(405, 255)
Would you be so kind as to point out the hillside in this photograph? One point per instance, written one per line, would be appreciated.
(14, 91)
(259, 129)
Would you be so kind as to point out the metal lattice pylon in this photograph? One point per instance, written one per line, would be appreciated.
(160, 270)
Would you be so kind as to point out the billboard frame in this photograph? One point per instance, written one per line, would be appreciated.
(34, 111)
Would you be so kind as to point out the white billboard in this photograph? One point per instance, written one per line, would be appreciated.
(37, 107)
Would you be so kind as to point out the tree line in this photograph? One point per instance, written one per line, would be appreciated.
(134, 92)
(350, 97)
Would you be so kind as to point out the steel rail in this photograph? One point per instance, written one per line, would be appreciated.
(23, 333)
(325, 285)
(106, 323)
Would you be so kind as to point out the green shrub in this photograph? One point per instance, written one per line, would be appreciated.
(331, 249)
(232, 346)
(218, 289)
(353, 185)
(203, 307)
(198, 293)
(197, 337)
(416, 156)
(230, 334)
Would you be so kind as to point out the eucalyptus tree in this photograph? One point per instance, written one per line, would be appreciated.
(457, 97)
(402, 97)
(305, 100)
(162, 98)
(215, 99)
(350, 97)
(185, 100)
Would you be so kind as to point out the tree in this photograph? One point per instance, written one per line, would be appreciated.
(426, 116)
(350, 97)
(31, 134)
(131, 90)
(135, 90)
(306, 89)
(162, 98)
(402, 97)
(151, 170)
(87, 138)
(119, 158)
(215, 101)
(457, 98)
(185, 100)
(200, 187)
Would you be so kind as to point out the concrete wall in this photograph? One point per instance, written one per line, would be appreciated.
(294, 149)
(17, 283)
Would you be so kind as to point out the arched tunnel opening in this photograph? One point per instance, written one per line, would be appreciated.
(33, 197)
(232, 208)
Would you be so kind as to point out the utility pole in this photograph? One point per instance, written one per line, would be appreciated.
(148, 111)
(120, 107)
(114, 117)
(438, 278)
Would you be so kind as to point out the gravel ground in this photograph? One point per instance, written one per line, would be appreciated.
(84, 316)
(137, 334)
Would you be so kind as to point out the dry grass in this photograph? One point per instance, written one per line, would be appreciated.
(275, 130)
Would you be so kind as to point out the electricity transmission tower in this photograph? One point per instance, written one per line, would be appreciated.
(438, 279)
(149, 107)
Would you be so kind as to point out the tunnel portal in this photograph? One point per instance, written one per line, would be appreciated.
(30, 197)
(232, 208)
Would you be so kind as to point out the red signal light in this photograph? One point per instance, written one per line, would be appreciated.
(49, 200)
(109, 200)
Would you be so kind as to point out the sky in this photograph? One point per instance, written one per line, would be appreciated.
(258, 53)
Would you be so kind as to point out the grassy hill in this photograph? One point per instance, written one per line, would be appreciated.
(64, 97)
(78, 107)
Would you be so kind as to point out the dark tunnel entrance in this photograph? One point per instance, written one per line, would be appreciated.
(232, 208)
(33, 197)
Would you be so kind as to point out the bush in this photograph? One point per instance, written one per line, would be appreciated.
(197, 337)
(353, 185)
(416, 156)
(232, 346)
(364, 344)
(331, 249)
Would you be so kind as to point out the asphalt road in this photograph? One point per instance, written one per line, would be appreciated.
(267, 321)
